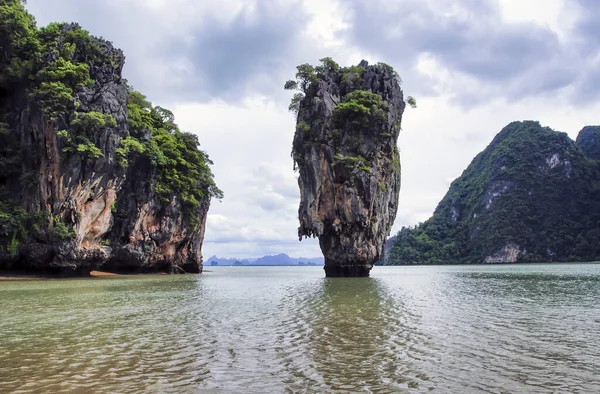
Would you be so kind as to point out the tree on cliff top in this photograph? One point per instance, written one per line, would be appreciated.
(182, 168)
(308, 77)
(18, 42)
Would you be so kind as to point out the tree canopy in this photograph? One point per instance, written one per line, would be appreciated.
(50, 67)
(308, 77)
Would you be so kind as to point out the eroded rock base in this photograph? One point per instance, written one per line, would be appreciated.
(346, 271)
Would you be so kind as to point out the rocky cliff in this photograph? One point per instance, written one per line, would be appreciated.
(345, 148)
(92, 176)
(531, 196)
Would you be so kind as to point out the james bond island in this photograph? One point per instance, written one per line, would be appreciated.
(345, 149)
(92, 176)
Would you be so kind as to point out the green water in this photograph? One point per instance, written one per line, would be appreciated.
(495, 329)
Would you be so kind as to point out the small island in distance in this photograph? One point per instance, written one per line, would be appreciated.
(281, 259)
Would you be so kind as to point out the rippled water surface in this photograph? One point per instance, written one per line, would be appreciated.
(496, 329)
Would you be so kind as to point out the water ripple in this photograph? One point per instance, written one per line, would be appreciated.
(288, 330)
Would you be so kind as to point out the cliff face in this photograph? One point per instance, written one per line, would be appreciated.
(530, 196)
(85, 182)
(150, 235)
(345, 148)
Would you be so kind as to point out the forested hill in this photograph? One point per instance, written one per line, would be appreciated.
(92, 175)
(533, 195)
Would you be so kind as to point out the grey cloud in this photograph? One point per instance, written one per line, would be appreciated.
(274, 179)
(588, 26)
(502, 56)
(589, 87)
(129, 26)
(258, 48)
(587, 44)
(226, 56)
(512, 60)
(209, 59)
(271, 202)
(271, 187)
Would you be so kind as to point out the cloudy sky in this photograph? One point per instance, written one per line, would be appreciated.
(473, 65)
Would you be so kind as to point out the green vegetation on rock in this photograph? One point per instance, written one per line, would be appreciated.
(351, 162)
(182, 169)
(60, 230)
(91, 122)
(359, 106)
(56, 83)
(530, 196)
(48, 77)
(89, 151)
(308, 77)
(18, 42)
(588, 140)
(127, 145)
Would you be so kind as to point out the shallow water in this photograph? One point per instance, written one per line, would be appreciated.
(459, 329)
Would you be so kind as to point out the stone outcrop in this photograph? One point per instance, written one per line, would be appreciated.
(154, 236)
(508, 254)
(345, 148)
(96, 213)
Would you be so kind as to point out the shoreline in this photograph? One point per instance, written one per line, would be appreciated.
(8, 276)
(13, 276)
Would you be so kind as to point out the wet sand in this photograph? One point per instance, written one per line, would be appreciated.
(12, 276)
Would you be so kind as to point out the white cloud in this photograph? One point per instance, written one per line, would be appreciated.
(250, 144)
(328, 19)
(549, 13)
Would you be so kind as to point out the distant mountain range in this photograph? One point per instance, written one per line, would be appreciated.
(279, 259)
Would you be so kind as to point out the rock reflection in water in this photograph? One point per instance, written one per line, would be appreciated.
(350, 334)
(283, 329)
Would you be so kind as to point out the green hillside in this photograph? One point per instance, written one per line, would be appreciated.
(531, 196)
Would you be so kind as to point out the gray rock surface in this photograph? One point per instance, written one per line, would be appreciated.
(349, 168)
(119, 222)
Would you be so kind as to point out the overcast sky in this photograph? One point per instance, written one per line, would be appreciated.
(473, 66)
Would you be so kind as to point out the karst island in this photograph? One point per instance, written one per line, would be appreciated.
(345, 149)
(92, 175)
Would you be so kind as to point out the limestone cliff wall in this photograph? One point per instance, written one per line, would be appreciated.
(108, 216)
